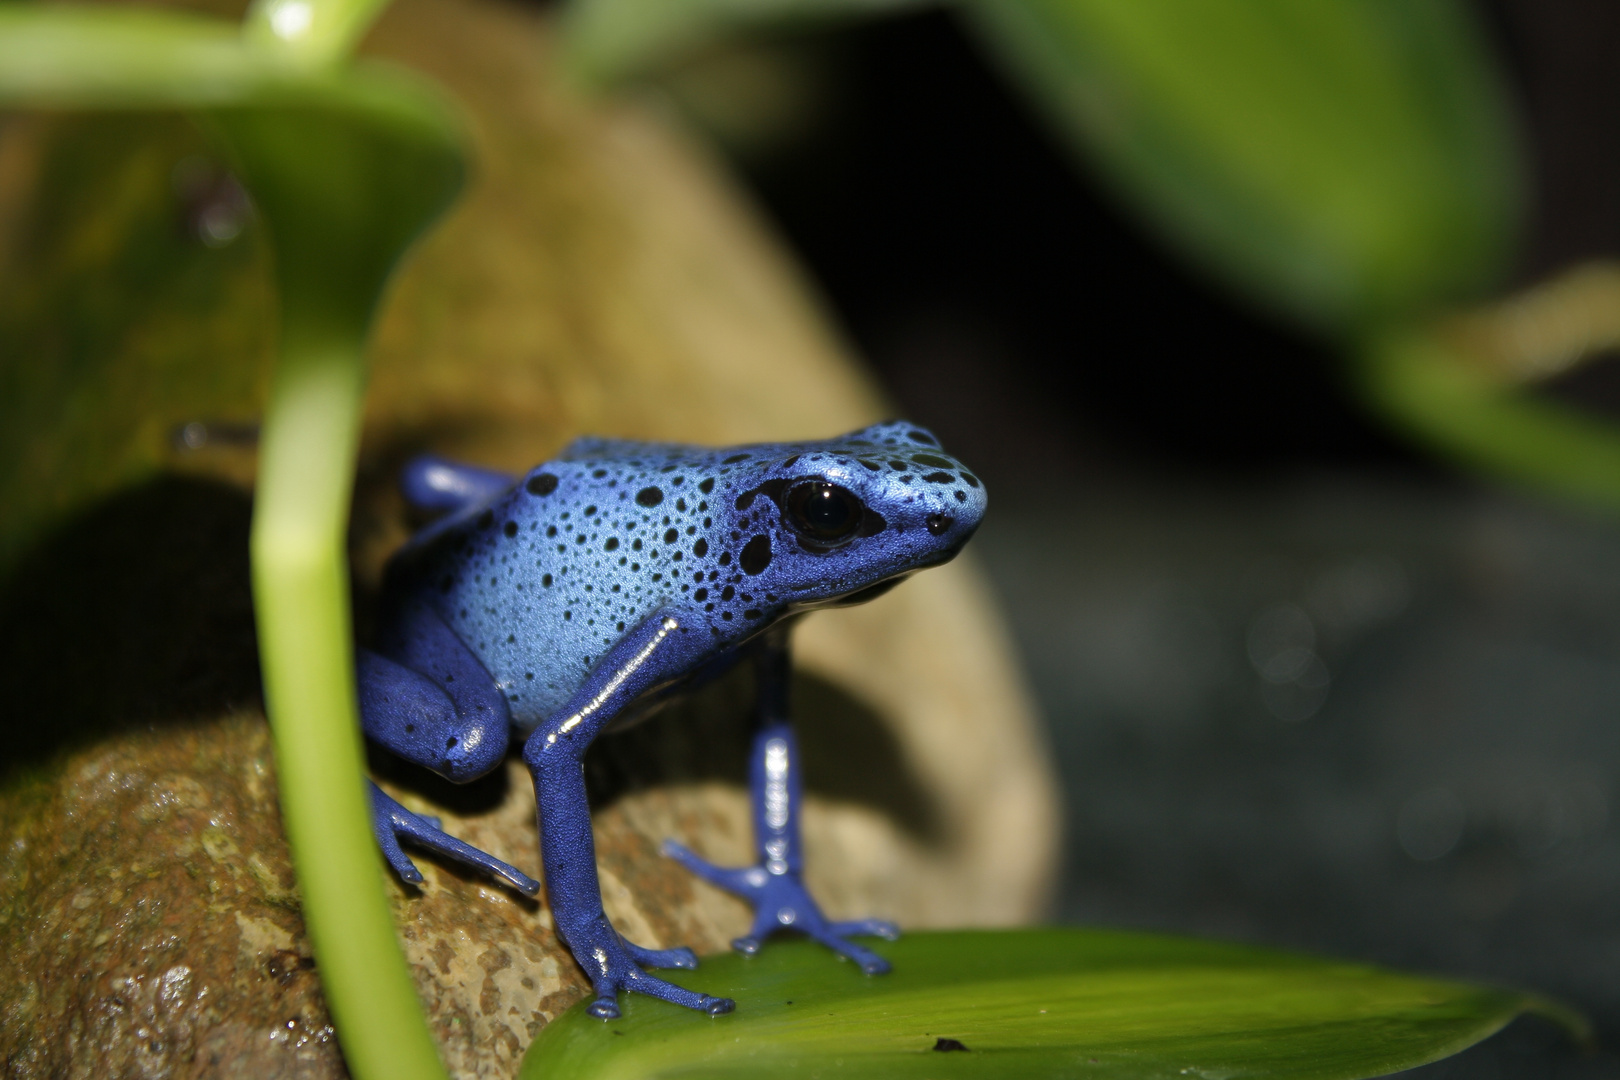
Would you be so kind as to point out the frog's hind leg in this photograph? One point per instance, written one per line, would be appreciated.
(435, 485)
(431, 702)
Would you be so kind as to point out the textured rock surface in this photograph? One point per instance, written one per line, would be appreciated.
(599, 276)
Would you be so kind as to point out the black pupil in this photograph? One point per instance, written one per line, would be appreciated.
(825, 511)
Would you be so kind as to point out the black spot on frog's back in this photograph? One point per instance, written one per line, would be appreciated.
(756, 555)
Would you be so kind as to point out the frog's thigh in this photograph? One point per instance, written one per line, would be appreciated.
(429, 699)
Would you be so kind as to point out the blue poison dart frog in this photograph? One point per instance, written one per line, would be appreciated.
(586, 592)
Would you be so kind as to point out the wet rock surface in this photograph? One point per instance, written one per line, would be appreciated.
(150, 917)
(599, 276)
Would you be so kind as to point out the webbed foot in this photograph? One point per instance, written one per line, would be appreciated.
(614, 966)
(391, 823)
(781, 902)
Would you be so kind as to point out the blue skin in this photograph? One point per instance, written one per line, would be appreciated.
(587, 592)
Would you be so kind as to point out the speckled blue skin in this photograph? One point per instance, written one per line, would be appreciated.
(591, 589)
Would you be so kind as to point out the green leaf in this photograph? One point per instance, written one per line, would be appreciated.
(1035, 1003)
(1340, 162)
(610, 39)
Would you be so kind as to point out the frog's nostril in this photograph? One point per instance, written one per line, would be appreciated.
(938, 523)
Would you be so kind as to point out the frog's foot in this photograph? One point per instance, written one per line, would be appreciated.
(781, 902)
(391, 823)
(613, 965)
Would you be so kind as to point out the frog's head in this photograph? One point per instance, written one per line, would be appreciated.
(838, 521)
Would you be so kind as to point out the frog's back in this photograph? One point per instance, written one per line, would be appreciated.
(543, 581)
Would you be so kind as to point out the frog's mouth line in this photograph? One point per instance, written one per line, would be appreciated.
(871, 592)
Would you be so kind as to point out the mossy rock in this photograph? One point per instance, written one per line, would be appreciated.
(600, 275)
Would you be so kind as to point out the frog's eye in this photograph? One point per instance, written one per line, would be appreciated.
(823, 512)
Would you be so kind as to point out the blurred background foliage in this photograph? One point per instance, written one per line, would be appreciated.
(1246, 312)
(1305, 685)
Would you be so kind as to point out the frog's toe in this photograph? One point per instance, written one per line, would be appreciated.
(743, 881)
(662, 958)
(392, 823)
(614, 966)
(867, 928)
(642, 983)
(396, 857)
(635, 979)
(867, 960)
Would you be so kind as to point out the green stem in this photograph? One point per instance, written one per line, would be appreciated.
(1420, 380)
(301, 598)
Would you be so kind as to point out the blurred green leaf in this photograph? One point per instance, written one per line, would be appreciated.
(608, 40)
(312, 32)
(1035, 1003)
(120, 320)
(71, 56)
(1341, 162)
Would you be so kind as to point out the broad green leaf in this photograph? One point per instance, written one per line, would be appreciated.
(1035, 1003)
(610, 39)
(1340, 162)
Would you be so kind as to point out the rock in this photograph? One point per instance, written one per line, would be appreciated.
(601, 275)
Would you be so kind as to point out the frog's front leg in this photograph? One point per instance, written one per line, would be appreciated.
(438, 485)
(651, 655)
(775, 887)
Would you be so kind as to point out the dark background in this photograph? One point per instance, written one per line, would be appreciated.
(1304, 684)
